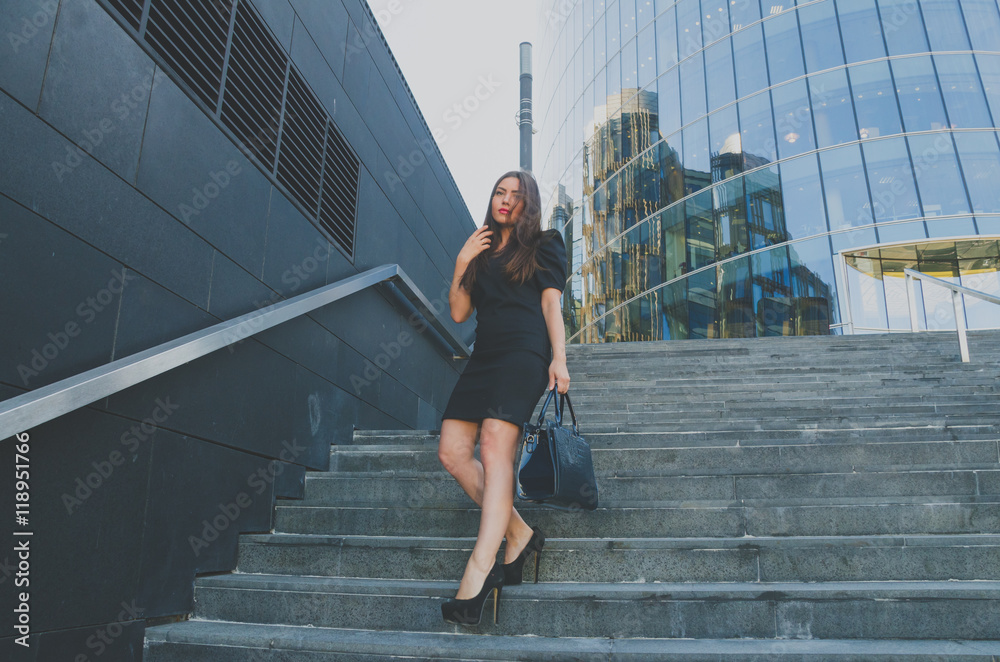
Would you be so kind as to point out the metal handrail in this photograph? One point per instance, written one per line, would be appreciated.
(956, 301)
(48, 402)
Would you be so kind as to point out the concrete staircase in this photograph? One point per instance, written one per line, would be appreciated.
(771, 499)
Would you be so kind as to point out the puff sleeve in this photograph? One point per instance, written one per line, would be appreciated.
(552, 262)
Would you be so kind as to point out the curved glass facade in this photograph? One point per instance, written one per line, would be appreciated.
(708, 160)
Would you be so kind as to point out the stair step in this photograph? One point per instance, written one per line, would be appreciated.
(221, 641)
(772, 610)
(747, 559)
(723, 519)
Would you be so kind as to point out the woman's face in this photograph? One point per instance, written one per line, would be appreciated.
(507, 203)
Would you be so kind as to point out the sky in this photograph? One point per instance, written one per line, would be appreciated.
(460, 59)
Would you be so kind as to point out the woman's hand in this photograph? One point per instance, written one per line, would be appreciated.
(559, 375)
(475, 244)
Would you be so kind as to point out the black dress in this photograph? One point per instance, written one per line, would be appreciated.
(508, 371)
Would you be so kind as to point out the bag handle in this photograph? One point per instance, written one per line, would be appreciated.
(572, 413)
(541, 414)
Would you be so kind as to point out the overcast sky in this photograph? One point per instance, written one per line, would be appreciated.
(450, 51)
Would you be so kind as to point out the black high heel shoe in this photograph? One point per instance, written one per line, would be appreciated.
(513, 572)
(470, 610)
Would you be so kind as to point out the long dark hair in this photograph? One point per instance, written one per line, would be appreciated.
(522, 245)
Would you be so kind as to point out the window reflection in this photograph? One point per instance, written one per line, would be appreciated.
(719, 74)
(726, 151)
(751, 66)
(784, 51)
(902, 26)
(980, 158)
(963, 94)
(793, 119)
(938, 178)
(859, 24)
(874, 100)
(800, 193)
(919, 97)
(820, 37)
(845, 188)
(832, 110)
(757, 131)
(890, 177)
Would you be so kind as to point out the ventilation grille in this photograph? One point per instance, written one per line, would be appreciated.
(130, 10)
(224, 54)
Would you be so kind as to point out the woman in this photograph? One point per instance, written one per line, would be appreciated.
(512, 274)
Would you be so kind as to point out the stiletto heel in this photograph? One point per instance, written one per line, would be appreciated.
(513, 572)
(470, 611)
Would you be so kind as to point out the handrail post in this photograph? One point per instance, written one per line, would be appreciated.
(963, 340)
(911, 302)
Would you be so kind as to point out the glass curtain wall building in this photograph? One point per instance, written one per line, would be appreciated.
(743, 168)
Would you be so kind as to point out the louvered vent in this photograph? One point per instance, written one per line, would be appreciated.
(251, 105)
(191, 37)
(340, 189)
(301, 164)
(243, 77)
(131, 11)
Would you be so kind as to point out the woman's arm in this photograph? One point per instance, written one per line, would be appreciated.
(552, 311)
(459, 299)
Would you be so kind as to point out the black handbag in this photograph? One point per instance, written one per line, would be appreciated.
(554, 465)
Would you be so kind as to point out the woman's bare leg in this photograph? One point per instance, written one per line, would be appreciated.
(455, 451)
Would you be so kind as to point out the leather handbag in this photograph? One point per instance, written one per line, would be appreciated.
(554, 465)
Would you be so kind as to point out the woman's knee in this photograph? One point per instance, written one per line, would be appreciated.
(497, 443)
(456, 445)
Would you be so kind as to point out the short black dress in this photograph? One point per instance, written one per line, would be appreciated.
(508, 371)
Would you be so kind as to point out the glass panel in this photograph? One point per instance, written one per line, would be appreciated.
(751, 66)
(981, 165)
(757, 130)
(614, 74)
(938, 177)
(673, 300)
(874, 101)
(772, 288)
(962, 92)
(600, 45)
(919, 97)
(951, 227)
(715, 21)
(688, 27)
(669, 103)
(864, 282)
(726, 154)
(643, 13)
(697, 164)
(847, 203)
(613, 30)
(945, 27)
(671, 170)
(989, 71)
(674, 242)
(729, 210)
(646, 45)
(765, 215)
(692, 89)
(902, 26)
(735, 308)
(831, 108)
(813, 287)
(784, 50)
(700, 231)
(627, 10)
(801, 197)
(853, 238)
(666, 40)
(588, 58)
(902, 231)
(701, 302)
(860, 29)
(981, 275)
(890, 176)
(820, 37)
(719, 71)
(793, 119)
(983, 21)
(630, 68)
(743, 12)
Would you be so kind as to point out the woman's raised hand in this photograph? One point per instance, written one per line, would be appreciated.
(475, 244)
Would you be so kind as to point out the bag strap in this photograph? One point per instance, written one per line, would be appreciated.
(541, 414)
(572, 413)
